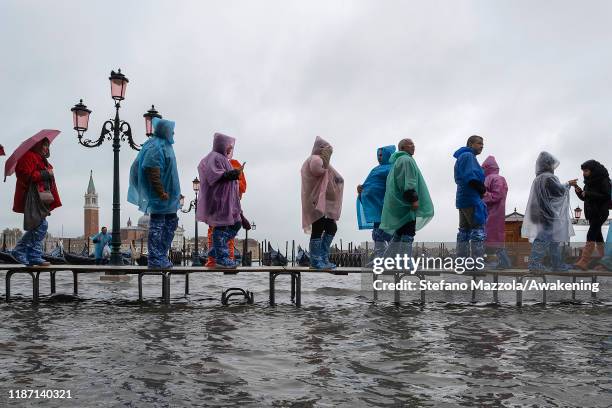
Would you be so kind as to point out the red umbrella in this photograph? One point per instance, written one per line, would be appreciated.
(11, 162)
(2, 150)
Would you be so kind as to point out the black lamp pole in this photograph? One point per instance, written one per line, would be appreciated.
(116, 130)
(194, 205)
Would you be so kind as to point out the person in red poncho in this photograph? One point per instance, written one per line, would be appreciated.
(242, 184)
(35, 197)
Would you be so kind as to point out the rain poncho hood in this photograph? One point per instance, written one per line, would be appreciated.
(397, 211)
(495, 199)
(322, 188)
(547, 216)
(219, 201)
(370, 201)
(156, 152)
(466, 170)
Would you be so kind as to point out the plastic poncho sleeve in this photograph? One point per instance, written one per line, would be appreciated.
(316, 166)
(468, 170)
(496, 192)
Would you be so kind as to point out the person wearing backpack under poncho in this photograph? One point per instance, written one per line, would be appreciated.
(470, 179)
(322, 189)
(219, 201)
(155, 189)
(370, 198)
(407, 206)
(596, 197)
(547, 220)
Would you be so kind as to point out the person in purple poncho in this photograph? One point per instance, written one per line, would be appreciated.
(495, 199)
(219, 201)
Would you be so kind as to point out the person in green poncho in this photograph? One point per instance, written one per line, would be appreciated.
(407, 207)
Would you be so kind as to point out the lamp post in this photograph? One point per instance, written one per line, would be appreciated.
(246, 243)
(194, 204)
(116, 130)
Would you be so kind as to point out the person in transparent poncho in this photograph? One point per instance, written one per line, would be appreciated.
(156, 190)
(547, 220)
(322, 189)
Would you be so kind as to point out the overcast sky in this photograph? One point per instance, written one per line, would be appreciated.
(527, 75)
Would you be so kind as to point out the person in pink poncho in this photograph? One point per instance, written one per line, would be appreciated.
(219, 201)
(322, 188)
(495, 199)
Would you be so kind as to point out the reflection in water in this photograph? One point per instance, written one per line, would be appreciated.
(340, 349)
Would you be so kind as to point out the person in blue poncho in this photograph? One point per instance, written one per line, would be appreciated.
(470, 177)
(370, 198)
(155, 189)
(101, 239)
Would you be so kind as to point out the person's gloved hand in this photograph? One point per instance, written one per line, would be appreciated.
(231, 175)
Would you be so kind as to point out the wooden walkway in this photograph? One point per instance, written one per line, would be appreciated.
(273, 272)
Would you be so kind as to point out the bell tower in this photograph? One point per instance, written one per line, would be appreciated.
(91, 209)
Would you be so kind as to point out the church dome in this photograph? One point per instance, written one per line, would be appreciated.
(143, 221)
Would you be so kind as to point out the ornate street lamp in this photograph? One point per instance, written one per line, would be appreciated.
(577, 213)
(194, 204)
(151, 113)
(116, 130)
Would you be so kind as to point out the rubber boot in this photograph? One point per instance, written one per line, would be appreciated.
(538, 251)
(316, 257)
(600, 248)
(220, 239)
(556, 258)
(210, 262)
(463, 243)
(326, 241)
(585, 258)
(155, 243)
(170, 226)
(405, 248)
(477, 244)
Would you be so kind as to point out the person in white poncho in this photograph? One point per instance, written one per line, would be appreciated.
(547, 220)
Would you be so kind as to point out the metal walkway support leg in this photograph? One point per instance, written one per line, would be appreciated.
(186, 283)
(75, 283)
(396, 294)
(292, 287)
(474, 279)
(374, 291)
(496, 292)
(272, 278)
(298, 290)
(35, 287)
(593, 281)
(166, 287)
(519, 293)
(421, 277)
(9, 274)
(544, 290)
(52, 276)
(574, 290)
(140, 275)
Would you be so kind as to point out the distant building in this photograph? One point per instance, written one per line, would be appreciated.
(91, 210)
(139, 233)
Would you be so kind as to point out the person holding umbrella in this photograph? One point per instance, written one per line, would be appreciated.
(35, 194)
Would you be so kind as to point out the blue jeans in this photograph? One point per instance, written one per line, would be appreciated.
(29, 249)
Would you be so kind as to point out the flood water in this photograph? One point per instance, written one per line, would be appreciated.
(339, 350)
